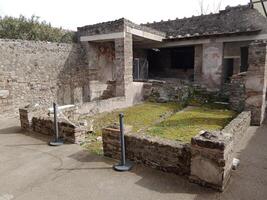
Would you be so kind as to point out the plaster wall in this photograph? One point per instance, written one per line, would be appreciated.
(212, 65)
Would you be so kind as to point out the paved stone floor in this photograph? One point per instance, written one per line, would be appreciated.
(31, 170)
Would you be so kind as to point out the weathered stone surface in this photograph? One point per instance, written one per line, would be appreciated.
(167, 91)
(124, 63)
(32, 72)
(36, 121)
(212, 65)
(256, 82)
(237, 95)
(4, 94)
(114, 27)
(165, 155)
(212, 153)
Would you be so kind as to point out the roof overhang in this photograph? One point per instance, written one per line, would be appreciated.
(116, 35)
(189, 42)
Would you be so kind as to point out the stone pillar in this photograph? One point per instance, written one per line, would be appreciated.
(198, 63)
(255, 82)
(25, 119)
(237, 95)
(211, 159)
(124, 63)
(212, 65)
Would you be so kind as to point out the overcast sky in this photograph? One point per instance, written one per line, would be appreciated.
(70, 14)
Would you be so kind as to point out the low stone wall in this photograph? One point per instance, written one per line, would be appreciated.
(213, 153)
(165, 155)
(166, 91)
(68, 132)
(26, 115)
(35, 121)
(207, 161)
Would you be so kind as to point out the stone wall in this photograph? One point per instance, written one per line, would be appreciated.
(31, 73)
(255, 82)
(167, 91)
(68, 132)
(237, 90)
(213, 153)
(208, 160)
(100, 63)
(165, 155)
(33, 121)
(42, 72)
(198, 63)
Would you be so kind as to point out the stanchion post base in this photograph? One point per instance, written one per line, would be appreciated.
(56, 143)
(122, 168)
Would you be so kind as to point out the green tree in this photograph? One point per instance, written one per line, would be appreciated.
(33, 29)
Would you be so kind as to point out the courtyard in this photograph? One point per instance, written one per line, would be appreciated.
(32, 170)
(165, 120)
(192, 91)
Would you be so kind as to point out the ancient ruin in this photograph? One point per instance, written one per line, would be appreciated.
(118, 64)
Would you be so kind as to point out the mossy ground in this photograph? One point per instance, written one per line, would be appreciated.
(184, 125)
(162, 120)
(140, 117)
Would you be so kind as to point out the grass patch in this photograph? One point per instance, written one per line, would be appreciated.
(140, 117)
(186, 124)
(162, 120)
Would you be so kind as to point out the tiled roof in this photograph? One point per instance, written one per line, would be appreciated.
(232, 20)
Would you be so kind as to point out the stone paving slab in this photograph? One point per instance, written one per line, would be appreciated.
(30, 169)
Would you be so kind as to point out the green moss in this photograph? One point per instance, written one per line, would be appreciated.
(186, 124)
(162, 120)
(138, 116)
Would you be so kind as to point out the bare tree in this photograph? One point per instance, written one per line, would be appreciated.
(205, 8)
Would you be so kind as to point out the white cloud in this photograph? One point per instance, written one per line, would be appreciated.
(71, 14)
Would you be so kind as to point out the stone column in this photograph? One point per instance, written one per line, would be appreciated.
(198, 63)
(255, 82)
(211, 159)
(212, 65)
(237, 91)
(124, 63)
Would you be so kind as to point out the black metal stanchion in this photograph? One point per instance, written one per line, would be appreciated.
(123, 165)
(56, 141)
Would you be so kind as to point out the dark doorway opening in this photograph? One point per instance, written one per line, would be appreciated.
(228, 66)
(182, 58)
(175, 62)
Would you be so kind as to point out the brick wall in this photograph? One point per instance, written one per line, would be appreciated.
(165, 155)
(168, 91)
(213, 153)
(208, 160)
(68, 132)
(34, 120)
(237, 91)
